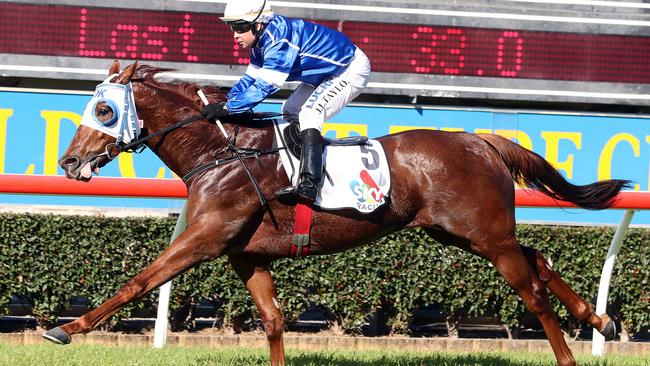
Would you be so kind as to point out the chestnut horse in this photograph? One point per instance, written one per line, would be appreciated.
(457, 186)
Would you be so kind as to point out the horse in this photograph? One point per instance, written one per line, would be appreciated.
(469, 205)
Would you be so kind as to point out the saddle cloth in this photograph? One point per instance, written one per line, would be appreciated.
(356, 176)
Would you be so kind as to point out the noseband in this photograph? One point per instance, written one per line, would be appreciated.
(107, 153)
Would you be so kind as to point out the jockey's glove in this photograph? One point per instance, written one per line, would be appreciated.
(215, 111)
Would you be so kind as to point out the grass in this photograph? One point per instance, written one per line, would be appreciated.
(98, 355)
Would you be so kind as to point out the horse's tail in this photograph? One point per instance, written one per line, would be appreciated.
(529, 169)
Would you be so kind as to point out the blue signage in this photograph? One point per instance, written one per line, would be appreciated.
(35, 129)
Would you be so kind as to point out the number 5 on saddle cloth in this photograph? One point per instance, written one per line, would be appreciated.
(357, 174)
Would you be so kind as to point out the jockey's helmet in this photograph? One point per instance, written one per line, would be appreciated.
(240, 15)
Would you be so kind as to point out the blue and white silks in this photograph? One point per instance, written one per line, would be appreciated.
(290, 50)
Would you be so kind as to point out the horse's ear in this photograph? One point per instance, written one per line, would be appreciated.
(127, 74)
(115, 68)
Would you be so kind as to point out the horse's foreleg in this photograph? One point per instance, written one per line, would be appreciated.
(512, 265)
(576, 305)
(259, 283)
(189, 249)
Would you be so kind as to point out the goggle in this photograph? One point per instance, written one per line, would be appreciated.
(241, 27)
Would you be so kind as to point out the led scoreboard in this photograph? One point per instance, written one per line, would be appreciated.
(433, 50)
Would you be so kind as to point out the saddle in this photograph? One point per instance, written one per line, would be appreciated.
(291, 136)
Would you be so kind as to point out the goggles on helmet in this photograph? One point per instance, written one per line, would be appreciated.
(241, 26)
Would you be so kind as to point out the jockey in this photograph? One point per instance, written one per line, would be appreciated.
(331, 69)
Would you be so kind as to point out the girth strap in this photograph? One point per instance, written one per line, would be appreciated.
(301, 229)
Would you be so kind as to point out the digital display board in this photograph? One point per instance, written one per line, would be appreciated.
(503, 53)
(192, 37)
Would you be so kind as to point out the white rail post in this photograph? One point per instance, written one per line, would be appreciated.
(598, 341)
(160, 331)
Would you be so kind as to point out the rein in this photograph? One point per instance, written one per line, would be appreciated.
(239, 154)
(136, 146)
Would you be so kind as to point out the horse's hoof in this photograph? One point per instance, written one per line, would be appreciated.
(57, 336)
(609, 330)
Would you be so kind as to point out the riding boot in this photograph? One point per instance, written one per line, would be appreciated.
(311, 168)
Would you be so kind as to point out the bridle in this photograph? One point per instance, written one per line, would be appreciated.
(127, 129)
(136, 142)
(124, 124)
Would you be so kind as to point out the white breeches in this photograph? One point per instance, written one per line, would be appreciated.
(311, 106)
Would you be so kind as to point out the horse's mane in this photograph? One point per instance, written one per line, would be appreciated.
(188, 92)
(185, 90)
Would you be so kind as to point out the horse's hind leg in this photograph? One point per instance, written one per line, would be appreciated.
(509, 260)
(259, 283)
(576, 305)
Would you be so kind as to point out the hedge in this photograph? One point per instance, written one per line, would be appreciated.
(49, 259)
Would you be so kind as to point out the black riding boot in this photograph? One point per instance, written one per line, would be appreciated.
(311, 164)
(311, 168)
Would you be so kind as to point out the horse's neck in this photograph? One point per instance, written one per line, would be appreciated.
(259, 137)
(199, 142)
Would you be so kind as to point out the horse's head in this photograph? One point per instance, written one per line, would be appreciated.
(111, 123)
(109, 119)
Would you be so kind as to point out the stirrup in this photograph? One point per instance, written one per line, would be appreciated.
(286, 192)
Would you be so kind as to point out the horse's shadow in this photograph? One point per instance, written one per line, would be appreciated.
(411, 360)
(350, 359)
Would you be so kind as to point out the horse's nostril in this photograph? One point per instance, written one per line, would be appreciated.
(69, 162)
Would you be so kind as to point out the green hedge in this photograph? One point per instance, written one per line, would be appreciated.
(50, 258)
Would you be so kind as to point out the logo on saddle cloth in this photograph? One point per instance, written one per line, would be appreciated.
(357, 175)
(367, 192)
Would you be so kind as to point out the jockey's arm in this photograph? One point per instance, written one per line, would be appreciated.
(261, 81)
(241, 101)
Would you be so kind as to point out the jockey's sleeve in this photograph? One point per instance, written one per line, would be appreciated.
(241, 100)
(279, 58)
(260, 82)
(240, 87)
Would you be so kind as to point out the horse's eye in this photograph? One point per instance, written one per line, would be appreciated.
(106, 113)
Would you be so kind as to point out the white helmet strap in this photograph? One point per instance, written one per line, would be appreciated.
(259, 14)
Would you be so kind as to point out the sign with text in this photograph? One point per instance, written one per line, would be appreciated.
(35, 129)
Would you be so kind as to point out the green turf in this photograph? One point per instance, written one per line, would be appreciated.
(98, 355)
